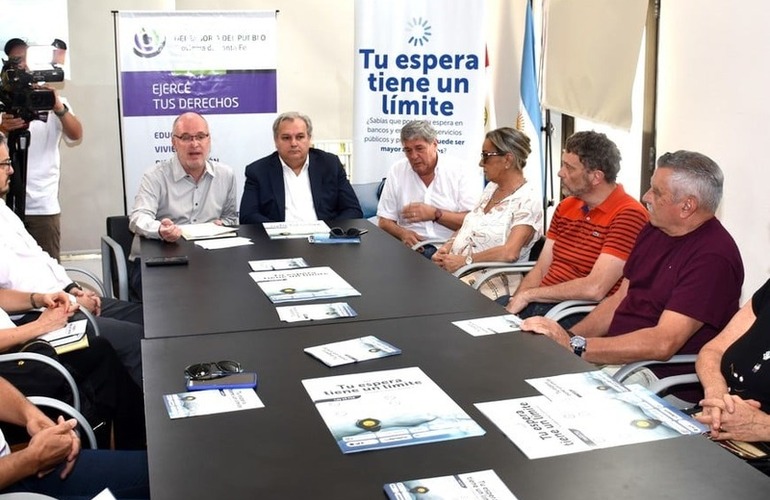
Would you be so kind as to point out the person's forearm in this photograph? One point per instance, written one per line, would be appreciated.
(597, 323)
(452, 220)
(12, 337)
(13, 301)
(391, 228)
(17, 466)
(144, 224)
(708, 368)
(71, 126)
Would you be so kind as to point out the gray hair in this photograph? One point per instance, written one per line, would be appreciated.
(596, 152)
(418, 129)
(694, 174)
(3, 139)
(176, 120)
(290, 116)
(510, 140)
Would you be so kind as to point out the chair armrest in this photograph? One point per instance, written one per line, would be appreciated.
(429, 241)
(33, 356)
(473, 266)
(570, 307)
(112, 251)
(666, 382)
(85, 427)
(496, 270)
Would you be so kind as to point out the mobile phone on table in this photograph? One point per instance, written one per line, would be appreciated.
(179, 260)
(243, 380)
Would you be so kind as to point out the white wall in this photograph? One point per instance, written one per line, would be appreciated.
(714, 76)
(315, 75)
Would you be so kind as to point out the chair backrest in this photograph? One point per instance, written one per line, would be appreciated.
(368, 195)
(534, 252)
(118, 231)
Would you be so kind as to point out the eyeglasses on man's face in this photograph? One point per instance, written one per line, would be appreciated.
(188, 138)
(212, 370)
(486, 155)
(6, 164)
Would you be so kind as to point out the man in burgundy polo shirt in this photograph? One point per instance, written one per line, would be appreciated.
(682, 281)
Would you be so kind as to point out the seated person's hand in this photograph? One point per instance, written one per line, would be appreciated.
(452, 262)
(88, 300)
(169, 231)
(410, 238)
(53, 318)
(10, 122)
(517, 303)
(547, 327)
(53, 445)
(418, 212)
(56, 299)
(732, 417)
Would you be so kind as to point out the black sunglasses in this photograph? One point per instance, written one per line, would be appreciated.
(211, 370)
(353, 232)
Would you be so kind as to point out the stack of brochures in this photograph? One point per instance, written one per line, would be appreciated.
(70, 338)
(298, 229)
(207, 230)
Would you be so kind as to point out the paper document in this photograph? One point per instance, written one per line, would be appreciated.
(541, 427)
(206, 230)
(302, 284)
(238, 241)
(480, 485)
(352, 351)
(312, 312)
(70, 333)
(388, 409)
(297, 229)
(490, 325)
(275, 264)
(192, 404)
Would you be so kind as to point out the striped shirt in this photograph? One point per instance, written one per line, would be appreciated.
(580, 235)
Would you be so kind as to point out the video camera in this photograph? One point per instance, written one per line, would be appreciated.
(20, 94)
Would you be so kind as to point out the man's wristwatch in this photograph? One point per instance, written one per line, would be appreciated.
(578, 344)
(437, 215)
(469, 259)
(68, 288)
(62, 112)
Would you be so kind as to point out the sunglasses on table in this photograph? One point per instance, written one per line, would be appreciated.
(212, 370)
(353, 232)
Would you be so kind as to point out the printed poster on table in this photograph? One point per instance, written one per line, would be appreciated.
(388, 409)
(310, 283)
(221, 64)
(543, 427)
(480, 485)
(417, 60)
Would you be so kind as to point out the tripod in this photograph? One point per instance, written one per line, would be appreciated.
(18, 148)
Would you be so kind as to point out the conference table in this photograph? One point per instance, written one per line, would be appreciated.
(214, 292)
(285, 450)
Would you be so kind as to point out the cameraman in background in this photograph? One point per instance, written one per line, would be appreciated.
(43, 213)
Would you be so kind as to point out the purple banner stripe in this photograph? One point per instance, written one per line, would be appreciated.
(161, 93)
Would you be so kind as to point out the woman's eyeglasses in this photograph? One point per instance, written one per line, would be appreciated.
(485, 155)
(211, 370)
(353, 232)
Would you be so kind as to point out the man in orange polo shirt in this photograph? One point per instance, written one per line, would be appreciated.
(592, 232)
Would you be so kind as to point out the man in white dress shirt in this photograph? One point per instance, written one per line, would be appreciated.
(426, 194)
(186, 189)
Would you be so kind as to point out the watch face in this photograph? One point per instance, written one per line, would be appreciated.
(578, 344)
(469, 260)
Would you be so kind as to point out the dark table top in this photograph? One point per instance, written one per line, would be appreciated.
(215, 294)
(285, 450)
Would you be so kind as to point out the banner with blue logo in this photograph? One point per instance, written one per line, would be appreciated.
(417, 60)
(219, 64)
